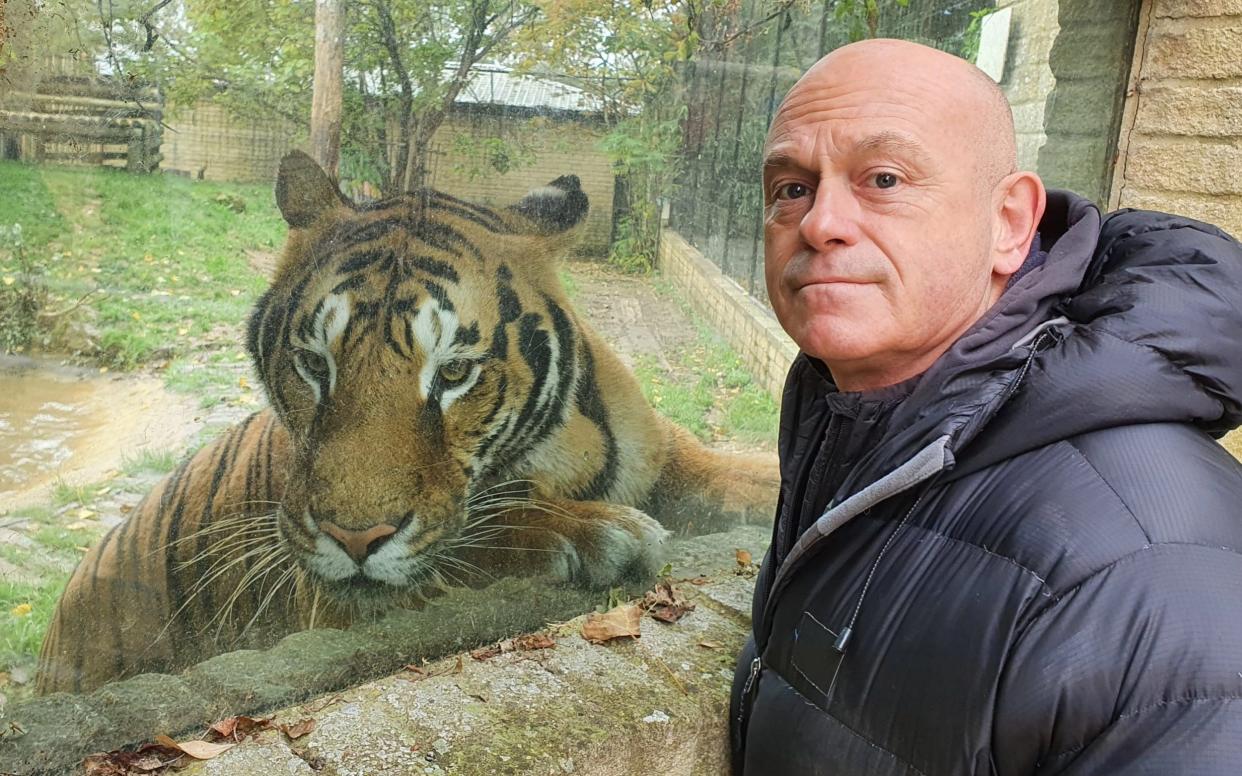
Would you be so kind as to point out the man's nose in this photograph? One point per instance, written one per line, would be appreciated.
(358, 543)
(832, 219)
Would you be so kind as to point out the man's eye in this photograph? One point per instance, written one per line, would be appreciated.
(885, 180)
(792, 191)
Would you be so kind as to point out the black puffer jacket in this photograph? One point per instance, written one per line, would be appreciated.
(1037, 570)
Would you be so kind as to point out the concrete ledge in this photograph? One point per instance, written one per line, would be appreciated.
(578, 706)
(748, 326)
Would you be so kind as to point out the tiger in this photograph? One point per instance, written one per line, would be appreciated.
(437, 415)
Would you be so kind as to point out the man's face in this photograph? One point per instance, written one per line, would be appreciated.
(877, 228)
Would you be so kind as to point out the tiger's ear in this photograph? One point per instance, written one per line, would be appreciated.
(555, 208)
(304, 191)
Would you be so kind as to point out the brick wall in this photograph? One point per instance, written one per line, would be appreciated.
(210, 143)
(545, 150)
(207, 142)
(1181, 145)
(748, 326)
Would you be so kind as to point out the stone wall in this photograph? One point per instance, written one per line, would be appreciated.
(746, 324)
(207, 142)
(1182, 140)
(1028, 79)
(1090, 60)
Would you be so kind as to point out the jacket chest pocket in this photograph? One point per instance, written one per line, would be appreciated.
(815, 660)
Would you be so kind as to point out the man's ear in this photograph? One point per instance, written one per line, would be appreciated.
(1019, 205)
(304, 191)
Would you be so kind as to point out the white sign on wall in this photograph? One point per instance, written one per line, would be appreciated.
(994, 43)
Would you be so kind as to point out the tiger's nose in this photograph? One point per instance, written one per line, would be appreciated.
(358, 544)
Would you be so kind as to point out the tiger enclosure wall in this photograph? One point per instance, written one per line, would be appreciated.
(496, 158)
(483, 155)
(207, 142)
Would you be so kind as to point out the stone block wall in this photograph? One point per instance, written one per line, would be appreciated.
(1065, 70)
(746, 324)
(1027, 78)
(1182, 141)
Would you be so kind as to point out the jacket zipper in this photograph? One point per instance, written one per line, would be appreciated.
(782, 572)
(748, 696)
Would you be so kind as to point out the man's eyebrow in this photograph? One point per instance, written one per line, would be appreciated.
(780, 159)
(892, 142)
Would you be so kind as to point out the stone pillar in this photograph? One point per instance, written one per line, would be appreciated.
(1090, 60)
(1182, 142)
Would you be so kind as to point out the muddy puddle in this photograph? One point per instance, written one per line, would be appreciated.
(60, 423)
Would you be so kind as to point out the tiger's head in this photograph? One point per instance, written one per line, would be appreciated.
(417, 349)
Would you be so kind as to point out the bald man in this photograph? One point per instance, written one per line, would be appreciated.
(1006, 541)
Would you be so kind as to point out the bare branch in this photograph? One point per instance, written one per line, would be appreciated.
(145, 21)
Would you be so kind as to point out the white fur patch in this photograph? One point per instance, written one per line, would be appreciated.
(393, 563)
(435, 329)
(329, 325)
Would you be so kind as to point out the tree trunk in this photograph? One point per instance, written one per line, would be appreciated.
(326, 100)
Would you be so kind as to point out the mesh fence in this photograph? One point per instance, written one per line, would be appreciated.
(732, 93)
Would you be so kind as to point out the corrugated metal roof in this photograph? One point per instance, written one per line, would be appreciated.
(498, 85)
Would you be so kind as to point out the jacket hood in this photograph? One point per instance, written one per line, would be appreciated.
(1152, 334)
(1134, 320)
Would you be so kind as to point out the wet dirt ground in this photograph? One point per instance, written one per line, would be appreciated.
(61, 423)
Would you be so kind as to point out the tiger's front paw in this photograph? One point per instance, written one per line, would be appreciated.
(627, 546)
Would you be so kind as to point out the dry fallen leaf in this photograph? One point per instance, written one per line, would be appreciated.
(149, 758)
(199, 750)
(616, 623)
(666, 603)
(743, 558)
(711, 645)
(298, 729)
(237, 729)
(525, 643)
(534, 641)
(485, 653)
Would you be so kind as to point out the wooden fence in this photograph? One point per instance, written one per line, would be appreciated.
(83, 119)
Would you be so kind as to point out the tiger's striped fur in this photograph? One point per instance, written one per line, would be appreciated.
(438, 414)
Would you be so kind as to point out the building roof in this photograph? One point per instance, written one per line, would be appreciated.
(496, 85)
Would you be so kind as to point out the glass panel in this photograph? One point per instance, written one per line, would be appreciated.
(248, 392)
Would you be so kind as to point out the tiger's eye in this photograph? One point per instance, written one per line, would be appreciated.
(454, 371)
(314, 363)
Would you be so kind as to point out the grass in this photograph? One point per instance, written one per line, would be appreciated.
(166, 261)
(28, 599)
(709, 390)
(156, 461)
(213, 378)
(64, 493)
(569, 284)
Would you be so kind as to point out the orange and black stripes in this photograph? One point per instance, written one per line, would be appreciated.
(424, 327)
